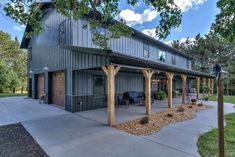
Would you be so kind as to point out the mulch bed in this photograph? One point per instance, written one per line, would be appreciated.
(15, 141)
(156, 121)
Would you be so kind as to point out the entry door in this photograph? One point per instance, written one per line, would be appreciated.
(58, 88)
(30, 88)
(40, 85)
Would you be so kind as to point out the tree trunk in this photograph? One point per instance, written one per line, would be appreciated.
(13, 90)
(22, 89)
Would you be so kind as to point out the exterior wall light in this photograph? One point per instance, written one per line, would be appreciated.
(45, 68)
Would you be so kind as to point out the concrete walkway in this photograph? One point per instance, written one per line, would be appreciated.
(61, 133)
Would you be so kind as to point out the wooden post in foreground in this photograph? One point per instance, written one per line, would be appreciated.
(184, 78)
(169, 88)
(111, 71)
(148, 75)
(221, 116)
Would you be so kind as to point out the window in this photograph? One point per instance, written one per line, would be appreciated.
(62, 34)
(162, 56)
(146, 50)
(173, 59)
(99, 86)
(30, 54)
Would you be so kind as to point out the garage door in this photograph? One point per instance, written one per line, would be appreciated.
(58, 88)
(40, 85)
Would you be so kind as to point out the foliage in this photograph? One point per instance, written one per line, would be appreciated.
(160, 95)
(3, 95)
(14, 61)
(208, 50)
(29, 12)
(208, 142)
(227, 98)
(3, 76)
(225, 19)
(12, 80)
(206, 89)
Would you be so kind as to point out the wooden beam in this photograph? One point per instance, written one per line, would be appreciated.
(184, 78)
(111, 71)
(169, 88)
(198, 87)
(148, 75)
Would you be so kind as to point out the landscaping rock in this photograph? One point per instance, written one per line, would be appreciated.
(161, 119)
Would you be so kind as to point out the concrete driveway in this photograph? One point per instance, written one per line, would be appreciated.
(62, 133)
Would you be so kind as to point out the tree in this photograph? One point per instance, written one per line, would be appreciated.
(225, 20)
(28, 12)
(12, 81)
(3, 76)
(13, 57)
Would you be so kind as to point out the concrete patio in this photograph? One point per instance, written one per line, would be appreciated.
(62, 133)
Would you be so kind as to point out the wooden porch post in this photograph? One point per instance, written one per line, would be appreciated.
(204, 82)
(148, 75)
(212, 86)
(184, 78)
(111, 71)
(169, 88)
(198, 87)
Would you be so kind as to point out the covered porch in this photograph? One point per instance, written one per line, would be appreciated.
(123, 114)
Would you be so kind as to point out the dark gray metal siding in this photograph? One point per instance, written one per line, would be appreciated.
(132, 46)
(124, 81)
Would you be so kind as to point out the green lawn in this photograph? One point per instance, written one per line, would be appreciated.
(229, 99)
(208, 142)
(2, 95)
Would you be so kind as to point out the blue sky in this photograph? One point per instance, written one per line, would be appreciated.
(198, 16)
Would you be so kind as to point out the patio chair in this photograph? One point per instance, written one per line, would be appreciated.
(122, 102)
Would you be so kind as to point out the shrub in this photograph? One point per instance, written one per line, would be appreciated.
(193, 100)
(160, 95)
(144, 120)
(170, 115)
(190, 106)
(200, 104)
(181, 109)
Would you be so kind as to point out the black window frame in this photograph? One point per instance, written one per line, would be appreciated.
(62, 33)
(94, 85)
(159, 56)
(146, 49)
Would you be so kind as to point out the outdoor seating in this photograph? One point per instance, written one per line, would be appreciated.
(122, 102)
(134, 97)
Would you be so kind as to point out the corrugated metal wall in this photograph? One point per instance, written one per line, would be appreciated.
(132, 46)
(83, 82)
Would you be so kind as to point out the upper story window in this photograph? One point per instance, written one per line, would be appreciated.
(62, 33)
(162, 56)
(146, 50)
(173, 59)
(30, 54)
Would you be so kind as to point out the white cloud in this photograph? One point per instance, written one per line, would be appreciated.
(18, 28)
(181, 40)
(149, 32)
(185, 5)
(133, 18)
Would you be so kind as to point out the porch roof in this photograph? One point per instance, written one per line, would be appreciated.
(138, 63)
